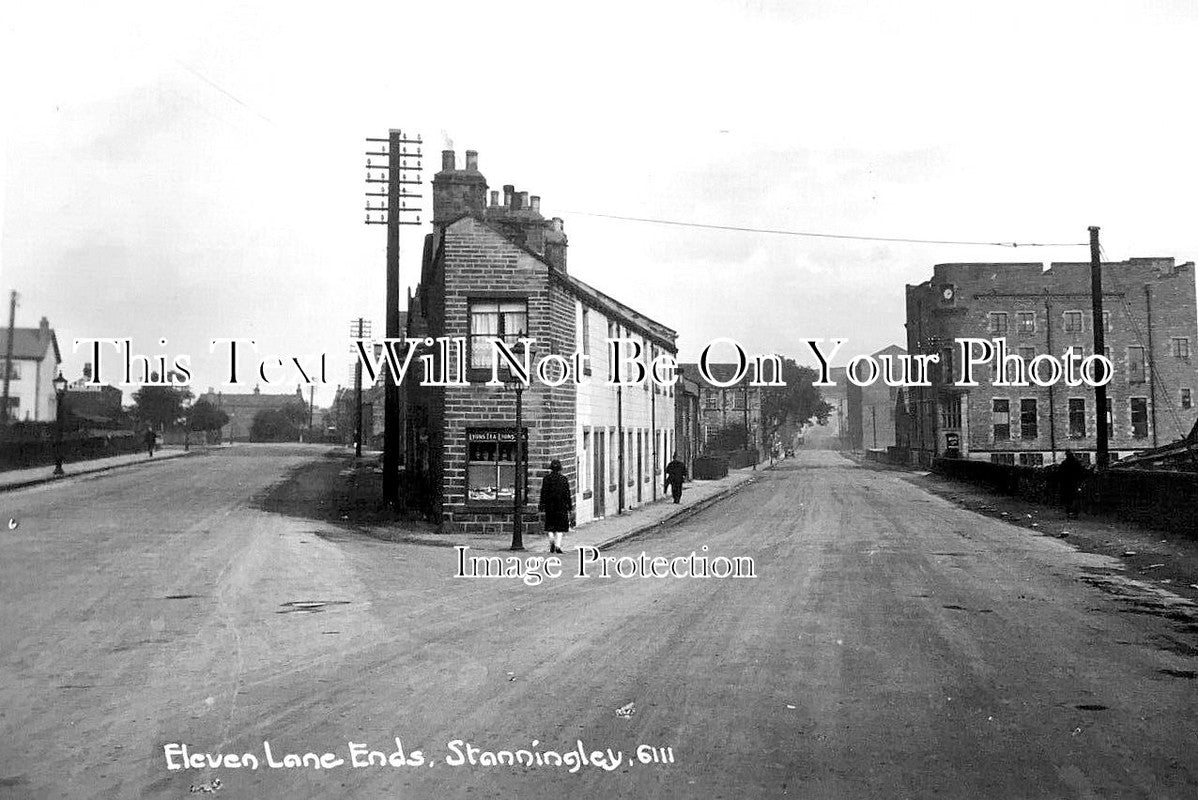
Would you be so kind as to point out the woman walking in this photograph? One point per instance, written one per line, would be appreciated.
(557, 502)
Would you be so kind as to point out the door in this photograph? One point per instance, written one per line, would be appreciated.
(598, 474)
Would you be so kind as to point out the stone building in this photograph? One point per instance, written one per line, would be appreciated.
(497, 269)
(242, 408)
(722, 407)
(1150, 332)
(869, 410)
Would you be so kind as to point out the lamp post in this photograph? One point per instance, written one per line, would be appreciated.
(60, 392)
(518, 386)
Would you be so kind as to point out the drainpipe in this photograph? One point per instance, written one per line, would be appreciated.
(620, 438)
(1151, 362)
(653, 429)
(1052, 414)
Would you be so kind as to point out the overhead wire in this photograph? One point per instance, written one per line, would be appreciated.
(820, 235)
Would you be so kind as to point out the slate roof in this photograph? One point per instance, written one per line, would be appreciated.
(28, 343)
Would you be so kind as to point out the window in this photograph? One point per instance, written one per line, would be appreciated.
(14, 408)
(1003, 458)
(1031, 459)
(495, 319)
(1073, 322)
(1028, 419)
(584, 464)
(1136, 371)
(1106, 321)
(1083, 457)
(952, 411)
(491, 464)
(585, 340)
(1077, 418)
(1026, 322)
(1139, 417)
(1181, 346)
(1110, 417)
(1027, 354)
(1001, 418)
(1187, 398)
(998, 322)
(14, 370)
(710, 399)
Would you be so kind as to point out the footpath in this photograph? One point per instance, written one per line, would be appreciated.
(11, 480)
(696, 496)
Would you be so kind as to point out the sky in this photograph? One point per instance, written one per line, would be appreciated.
(198, 173)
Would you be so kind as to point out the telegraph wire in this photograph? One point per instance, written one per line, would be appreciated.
(819, 235)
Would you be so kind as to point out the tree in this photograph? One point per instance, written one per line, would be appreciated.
(205, 417)
(796, 403)
(160, 406)
(729, 437)
(279, 424)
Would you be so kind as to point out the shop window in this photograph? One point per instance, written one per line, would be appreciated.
(1003, 458)
(1031, 459)
(491, 464)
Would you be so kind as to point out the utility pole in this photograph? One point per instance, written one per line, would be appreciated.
(359, 329)
(1102, 456)
(12, 321)
(400, 165)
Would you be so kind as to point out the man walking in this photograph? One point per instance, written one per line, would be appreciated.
(1069, 479)
(675, 475)
(151, 439)
(557, 502)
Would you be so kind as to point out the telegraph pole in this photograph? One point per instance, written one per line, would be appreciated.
(359, 329)
(1102, 456)
(12, 320)
(400, 165)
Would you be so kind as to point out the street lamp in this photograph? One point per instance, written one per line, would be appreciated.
(517, 385)
(60, 392)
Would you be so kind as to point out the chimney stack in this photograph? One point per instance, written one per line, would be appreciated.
(494, 197)
(447, 160)
(535, 204)
(517, 200)
(472, 160)
(457, 192)
(523, 200)
(508, 195)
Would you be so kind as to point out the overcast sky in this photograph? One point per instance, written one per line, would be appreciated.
(194, 174)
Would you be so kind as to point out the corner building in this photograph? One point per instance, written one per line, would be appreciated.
(495, 267)
(1150, 332)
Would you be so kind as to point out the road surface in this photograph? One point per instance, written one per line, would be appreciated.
(892, 645)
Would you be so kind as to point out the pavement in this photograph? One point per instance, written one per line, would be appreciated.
(21, 478)
(891, 645)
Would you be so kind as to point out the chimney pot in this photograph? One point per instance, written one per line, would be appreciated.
(508, 194)
(472, 160)
(447, 160)
(535, 205)
(558, 225)
(523, 200)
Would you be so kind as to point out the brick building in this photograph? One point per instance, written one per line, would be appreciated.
(242, 408)
(498, 269)
(1149, 310)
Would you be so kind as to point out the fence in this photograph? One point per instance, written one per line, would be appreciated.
(39, 450)
(1157, 499)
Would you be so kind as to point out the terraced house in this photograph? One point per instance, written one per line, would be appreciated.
(1150, 335)
(497, 268)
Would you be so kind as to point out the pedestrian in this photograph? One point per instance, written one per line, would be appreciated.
(557, 502)
(151, 439)
(1069, 479)
(675, 475)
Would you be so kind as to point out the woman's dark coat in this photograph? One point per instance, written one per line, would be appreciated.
(557, 502)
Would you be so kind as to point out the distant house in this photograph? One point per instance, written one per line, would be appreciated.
(34, 365)
(94, 404)
(242, 408)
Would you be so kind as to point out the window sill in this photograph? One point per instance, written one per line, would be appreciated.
(588, 494)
